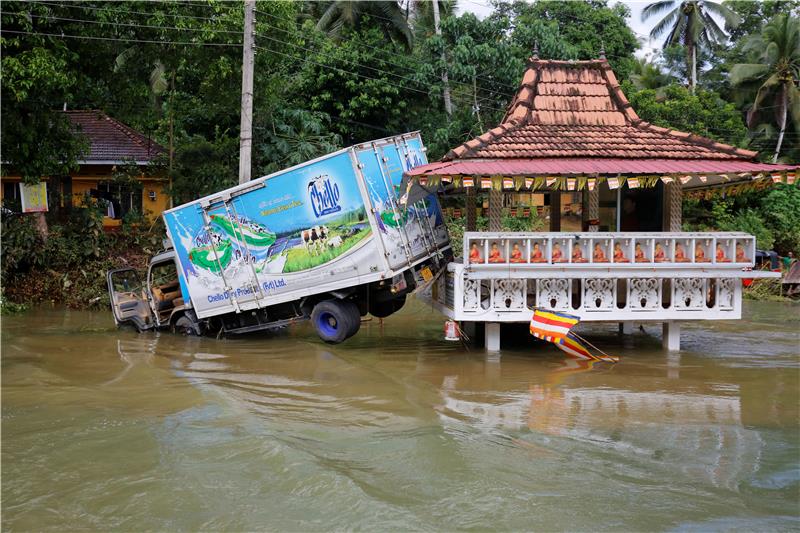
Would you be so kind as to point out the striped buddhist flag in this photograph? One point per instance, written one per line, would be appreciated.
(571, 345)
(613, 183)
(469, 182)
(550, 325)
(575, 347)
(486, 183)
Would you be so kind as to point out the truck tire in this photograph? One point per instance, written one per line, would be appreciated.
(388, 307)
(186, 326)
(335, 320)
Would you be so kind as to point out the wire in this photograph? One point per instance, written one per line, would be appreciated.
(405, 58)
(481, 99)
(95, 38)
(362, 66)
(149, 14)
(137, 25)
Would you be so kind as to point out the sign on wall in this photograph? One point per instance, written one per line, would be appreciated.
(34, 197)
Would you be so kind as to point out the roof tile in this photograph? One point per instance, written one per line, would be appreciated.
(577, 109)
(111, 140)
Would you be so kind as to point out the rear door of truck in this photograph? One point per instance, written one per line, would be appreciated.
(408, 233)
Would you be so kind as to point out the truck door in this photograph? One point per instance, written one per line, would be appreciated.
(390, 217)
(129, 303)
(250, 243)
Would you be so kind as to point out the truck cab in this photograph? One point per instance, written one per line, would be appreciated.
(156, 304)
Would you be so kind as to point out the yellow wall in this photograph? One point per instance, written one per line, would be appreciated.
(88, 177)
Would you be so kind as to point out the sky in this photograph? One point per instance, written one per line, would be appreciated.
(482, 8)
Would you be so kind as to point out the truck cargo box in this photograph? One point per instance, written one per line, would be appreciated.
(321, 226)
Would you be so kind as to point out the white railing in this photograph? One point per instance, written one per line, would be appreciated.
(598, 276)
(625, 250)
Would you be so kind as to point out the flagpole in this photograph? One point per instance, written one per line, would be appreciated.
(595, 347)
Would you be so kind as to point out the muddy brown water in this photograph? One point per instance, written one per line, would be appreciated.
(398, 429)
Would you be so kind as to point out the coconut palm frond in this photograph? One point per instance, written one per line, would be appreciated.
(656, 8)
(391, 11)
(122, 59)
(664, 24)
(744, 72)
(713, 32)
(158, 78)
(731, 18)
(678, 33)
(794, 105)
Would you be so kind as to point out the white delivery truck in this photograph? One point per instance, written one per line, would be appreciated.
(327, 240)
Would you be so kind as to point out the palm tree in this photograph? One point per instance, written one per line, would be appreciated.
(690, 23)
(388, 14)
(647, 74)
(774, 74)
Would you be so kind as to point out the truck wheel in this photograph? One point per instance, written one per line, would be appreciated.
(335, 320)
(186, 326)
(389, 307)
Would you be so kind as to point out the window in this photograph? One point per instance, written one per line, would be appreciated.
(123, 198)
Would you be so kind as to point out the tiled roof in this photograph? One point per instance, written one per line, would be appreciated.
(112, 141)
(577, 109)
(553, 166)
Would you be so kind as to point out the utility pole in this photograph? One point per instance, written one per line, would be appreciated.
(248, 60)
(448, 105)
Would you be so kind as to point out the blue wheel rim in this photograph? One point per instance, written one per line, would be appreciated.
(327, 323)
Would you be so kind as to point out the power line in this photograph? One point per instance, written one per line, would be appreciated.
(137, 25)
(406, 58)
(358, 65)
(149, 14)
(123, 24)
(117, 39)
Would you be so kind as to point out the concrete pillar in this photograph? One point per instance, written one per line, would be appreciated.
(674, 365)
(555, 211)
(673, 206)
(625, 328)
(470, 210)
(495, 210)
(591, 208)
(492, 336)
(671, 336)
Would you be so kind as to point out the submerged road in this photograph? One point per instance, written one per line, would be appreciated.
(398, 429)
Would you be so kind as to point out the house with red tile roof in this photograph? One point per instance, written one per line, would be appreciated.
(571, 133)
(112, 145)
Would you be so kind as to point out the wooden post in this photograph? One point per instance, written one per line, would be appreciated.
(673, 205)
(470, 208)
(592, 208)
(555, 211)
(495, 210)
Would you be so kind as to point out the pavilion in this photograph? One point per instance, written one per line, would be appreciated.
(570, 128)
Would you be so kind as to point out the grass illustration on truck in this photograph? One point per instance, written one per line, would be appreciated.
(326, 240)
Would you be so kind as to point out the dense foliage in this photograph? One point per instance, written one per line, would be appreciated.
(333, 73)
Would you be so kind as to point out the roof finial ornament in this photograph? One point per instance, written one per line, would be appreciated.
(602, 50)
(535, 50)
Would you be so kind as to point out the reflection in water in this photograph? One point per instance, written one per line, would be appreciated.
(395, 429)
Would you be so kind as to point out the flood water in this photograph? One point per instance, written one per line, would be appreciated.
(397, 429)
